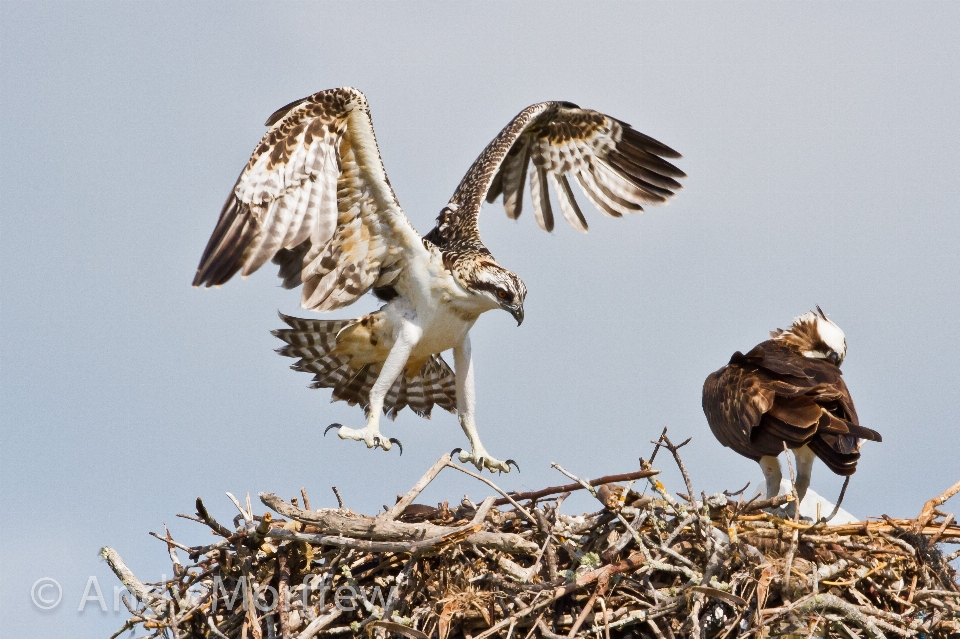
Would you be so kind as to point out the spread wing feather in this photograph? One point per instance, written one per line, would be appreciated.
(315, 199)
(619, 170)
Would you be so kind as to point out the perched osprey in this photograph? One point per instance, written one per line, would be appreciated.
(315, 199)
(789, 390)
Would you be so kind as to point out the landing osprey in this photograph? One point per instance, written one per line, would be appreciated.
(789, 389)
(315, 199)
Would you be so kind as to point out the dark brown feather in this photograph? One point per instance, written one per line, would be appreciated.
(774, 394)
(277, 115)
(647, 143)
(291, 264)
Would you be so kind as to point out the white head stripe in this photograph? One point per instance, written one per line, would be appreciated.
(832, 336)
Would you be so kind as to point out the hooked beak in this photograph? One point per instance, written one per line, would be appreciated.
(517, 314)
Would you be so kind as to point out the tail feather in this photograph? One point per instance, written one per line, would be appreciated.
(396, 398)
(312, 343)
(356, 389)
(440, 384)
(416, 398)
(830, 423)
(836, 453)
(321, 368)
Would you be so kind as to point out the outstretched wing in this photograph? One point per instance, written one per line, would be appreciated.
(315, 199)
(618, 169)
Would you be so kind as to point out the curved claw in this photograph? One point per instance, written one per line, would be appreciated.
(327, 429)
(515, 465)
(455, 451)
(394, 440)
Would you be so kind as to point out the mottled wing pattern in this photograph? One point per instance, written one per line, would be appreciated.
(314, 343)
(618, 169)
(734, 401)
(773, 395)
(315, 199)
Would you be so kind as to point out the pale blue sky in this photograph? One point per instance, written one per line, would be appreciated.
(822, 143)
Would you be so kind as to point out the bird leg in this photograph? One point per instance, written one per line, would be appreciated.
(804, 457)
(407, 337)
(466, 402)
(771, 472)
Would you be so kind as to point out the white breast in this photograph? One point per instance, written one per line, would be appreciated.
(434, 300)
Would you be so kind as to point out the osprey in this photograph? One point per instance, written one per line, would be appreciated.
(315, 199)
(788, 390)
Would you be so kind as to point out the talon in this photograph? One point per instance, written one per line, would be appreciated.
(510, 461)
(455, 451)
(377, 441)
(394, 440)
(327, 429)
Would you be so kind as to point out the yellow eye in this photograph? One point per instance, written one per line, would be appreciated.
(502, 294)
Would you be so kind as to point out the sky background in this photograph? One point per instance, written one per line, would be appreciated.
(822, 144)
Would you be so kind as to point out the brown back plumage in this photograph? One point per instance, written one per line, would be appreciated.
(774, 394)
(315, 341)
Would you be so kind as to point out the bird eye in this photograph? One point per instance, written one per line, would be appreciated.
(502, 294)
(833, 357)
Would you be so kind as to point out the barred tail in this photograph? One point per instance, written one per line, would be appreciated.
(314, 343)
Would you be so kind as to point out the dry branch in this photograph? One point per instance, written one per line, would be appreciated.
(534, 495)
(708, 567)
(927, 514)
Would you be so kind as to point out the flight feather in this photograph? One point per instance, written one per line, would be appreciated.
(618, 169)
(315, 199)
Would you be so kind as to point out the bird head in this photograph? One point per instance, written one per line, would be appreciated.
(815, 336)
(500, 286)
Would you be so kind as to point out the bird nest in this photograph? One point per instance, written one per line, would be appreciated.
(513, 566)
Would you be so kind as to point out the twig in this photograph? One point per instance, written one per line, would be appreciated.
(127, 578)
(739, 492)
(171, 542)
(513, 501)
(215, 630)
(793, 485)
(656, 447)
(283, 592)
(453, 535)
(763, 504)
(318, 624)
(545, 631)
(566, 488)
(412, 494)
(210, 521)
(788, 564)
(926, 514)
(836, 507)
(247, 515)
(674, 450)
(587, 609)
(379, 529)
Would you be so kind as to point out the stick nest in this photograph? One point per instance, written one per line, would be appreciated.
(645, 565)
